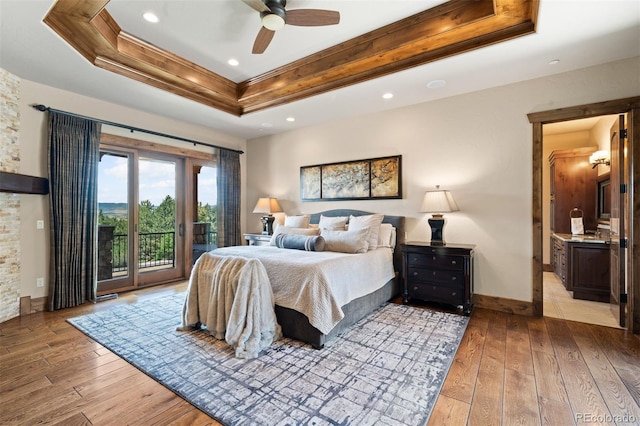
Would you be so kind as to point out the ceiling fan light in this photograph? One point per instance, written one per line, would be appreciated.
(272, 22)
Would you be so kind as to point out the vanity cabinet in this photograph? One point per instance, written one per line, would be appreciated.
(589, 271)
(559, 259)
(583, 266)
(573, 184)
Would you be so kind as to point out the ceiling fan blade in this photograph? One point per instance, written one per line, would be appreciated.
(312, 17)
(263, 39)
(257, 5)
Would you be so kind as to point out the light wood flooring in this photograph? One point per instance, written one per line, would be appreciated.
(559, 303)
(509, 370)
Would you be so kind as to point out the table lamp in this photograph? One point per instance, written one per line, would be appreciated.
(437, 202)
(268, 206)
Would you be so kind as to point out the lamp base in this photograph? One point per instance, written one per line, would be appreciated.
(267, 224)
(437, 224)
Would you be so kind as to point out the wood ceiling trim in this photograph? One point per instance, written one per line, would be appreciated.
(445, 30)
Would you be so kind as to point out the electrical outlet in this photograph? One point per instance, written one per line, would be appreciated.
(39, 224)
(40, 282)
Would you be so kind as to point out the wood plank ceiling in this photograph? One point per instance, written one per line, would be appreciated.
(445, 30)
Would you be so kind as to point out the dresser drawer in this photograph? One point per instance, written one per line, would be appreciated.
(436, 276)
(437, 293)
(437, 261)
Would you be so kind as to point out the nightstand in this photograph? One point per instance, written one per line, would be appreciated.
(442, 274)
(257, 239)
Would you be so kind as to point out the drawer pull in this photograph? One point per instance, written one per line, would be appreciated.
(415, 288)
(433, 258)
(453, 262)
(415, 273)
(453, 278)
(453, 294)
(434, 273)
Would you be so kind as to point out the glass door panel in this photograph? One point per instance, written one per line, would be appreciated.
(156, 214)
(205, 224)
(115, 251)
(140, 220)
(160, 224)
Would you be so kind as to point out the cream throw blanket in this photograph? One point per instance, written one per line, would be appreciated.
(232, 297)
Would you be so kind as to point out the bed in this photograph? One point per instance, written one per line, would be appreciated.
(349, 299)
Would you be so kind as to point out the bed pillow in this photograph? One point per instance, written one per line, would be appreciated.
(300, 242)
(281, 229)
(300, 221)
(385, 236)
(337, 223)
(351, 241)
(371, 221)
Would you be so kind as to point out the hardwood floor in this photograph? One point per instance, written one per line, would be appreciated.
(509, 370)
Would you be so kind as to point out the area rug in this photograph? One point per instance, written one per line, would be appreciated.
(387, 369)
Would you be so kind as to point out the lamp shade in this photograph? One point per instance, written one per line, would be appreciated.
(438, 201)
(267, 205)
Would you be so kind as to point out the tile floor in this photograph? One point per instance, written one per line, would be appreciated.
(559, 303)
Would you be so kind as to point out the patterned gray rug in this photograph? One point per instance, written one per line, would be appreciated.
(388, 369)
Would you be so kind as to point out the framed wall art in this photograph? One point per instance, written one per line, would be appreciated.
(374, 178)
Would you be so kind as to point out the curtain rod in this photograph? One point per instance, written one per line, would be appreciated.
(43, 108)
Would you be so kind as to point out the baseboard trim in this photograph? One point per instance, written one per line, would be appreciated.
(31, 306)
(501, 304)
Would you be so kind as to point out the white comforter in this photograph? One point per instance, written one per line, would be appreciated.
(317, 284)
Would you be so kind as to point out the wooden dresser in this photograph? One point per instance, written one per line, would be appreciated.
(442, 274)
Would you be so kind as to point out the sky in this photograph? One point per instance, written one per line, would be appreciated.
(156, 181)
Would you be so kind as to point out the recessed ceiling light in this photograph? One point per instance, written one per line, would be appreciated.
(387, 96)
(150, 17)
(436, 84)
(267, 125)
(233, 62)
(554, 61)
(291, 119)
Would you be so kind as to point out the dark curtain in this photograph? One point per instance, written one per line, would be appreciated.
(74, 146)
(228, 198)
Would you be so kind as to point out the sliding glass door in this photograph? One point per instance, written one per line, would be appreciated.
(140, 222)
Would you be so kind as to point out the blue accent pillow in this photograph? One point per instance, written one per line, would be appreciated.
(300, 242)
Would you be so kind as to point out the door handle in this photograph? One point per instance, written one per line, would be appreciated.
(181, 230)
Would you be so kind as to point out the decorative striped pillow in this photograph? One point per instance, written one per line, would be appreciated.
(300, 242)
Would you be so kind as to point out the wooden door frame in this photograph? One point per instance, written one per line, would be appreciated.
(631, 106)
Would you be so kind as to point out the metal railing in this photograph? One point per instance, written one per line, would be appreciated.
(155, 249)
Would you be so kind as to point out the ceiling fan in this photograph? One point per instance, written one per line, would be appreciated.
(274, 17)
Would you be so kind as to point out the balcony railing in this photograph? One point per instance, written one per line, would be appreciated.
(156, 249)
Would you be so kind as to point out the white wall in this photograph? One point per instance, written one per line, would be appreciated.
(478, 145)
(33, 149)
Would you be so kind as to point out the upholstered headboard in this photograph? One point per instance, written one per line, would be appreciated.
(396, 221)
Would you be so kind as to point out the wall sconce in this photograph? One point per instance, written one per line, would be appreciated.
(268, 206)
(437, 202)
(599, 157)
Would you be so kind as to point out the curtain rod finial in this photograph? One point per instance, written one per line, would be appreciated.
(40, 107)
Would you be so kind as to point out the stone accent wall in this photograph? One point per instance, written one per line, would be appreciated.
(9, 203)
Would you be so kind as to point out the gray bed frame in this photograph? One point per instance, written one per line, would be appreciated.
(296, 325)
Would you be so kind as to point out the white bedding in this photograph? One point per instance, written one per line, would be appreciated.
(317, 284)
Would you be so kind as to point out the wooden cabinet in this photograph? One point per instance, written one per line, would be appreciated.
(257, 239)
(588, 272)
(583, 267)
(442, 274)
(573, 184)
(559, 259)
